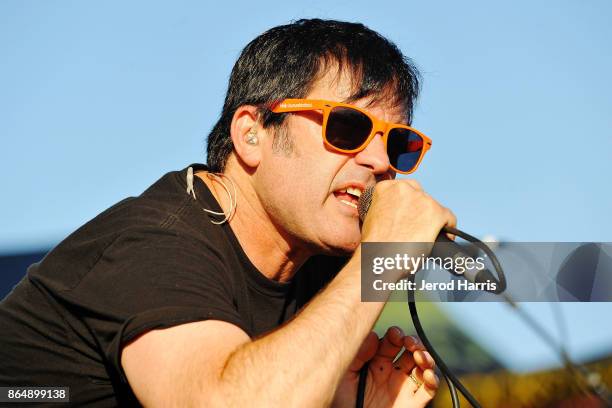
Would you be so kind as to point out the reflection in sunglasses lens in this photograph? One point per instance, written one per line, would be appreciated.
(404, 148)
(347, 128)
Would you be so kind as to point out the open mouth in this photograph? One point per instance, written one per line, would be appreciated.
(349, 196)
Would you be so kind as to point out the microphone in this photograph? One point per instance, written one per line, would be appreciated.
(443, 247)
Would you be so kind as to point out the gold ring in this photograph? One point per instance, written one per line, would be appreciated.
(414, 380)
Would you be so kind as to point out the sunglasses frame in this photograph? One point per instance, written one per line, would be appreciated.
(378, 125)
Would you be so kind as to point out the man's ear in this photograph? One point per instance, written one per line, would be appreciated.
(246, 133)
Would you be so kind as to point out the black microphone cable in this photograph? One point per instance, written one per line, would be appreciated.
(481, 276)
(574, 369)
(451, 379)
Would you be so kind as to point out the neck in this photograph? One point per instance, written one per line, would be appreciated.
(273, 252)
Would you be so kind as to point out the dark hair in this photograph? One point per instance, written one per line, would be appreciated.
(285, 62)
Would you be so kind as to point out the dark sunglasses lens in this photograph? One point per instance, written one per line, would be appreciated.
(347, 128)
(404, 148)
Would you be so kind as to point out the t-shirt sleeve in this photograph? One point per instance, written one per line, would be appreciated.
(148, 280)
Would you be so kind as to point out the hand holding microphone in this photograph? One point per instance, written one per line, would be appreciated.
(400, 211)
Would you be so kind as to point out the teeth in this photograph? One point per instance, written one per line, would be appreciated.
(354, 191)
(349, 203)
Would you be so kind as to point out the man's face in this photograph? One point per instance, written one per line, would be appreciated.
(304, 191)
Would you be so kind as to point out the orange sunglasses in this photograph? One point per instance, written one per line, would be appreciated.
(349, 129)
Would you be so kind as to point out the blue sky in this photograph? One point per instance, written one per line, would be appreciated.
(98, 99)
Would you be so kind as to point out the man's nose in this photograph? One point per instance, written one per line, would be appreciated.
(374, 156)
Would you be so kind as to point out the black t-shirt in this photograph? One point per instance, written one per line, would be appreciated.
(148, 262)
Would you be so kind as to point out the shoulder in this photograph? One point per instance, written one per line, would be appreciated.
(159, 237)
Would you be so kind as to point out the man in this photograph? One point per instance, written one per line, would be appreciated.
(243, 288)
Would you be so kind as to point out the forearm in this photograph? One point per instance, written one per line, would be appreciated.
(301, 363)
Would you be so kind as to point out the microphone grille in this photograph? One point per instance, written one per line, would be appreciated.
(364, 202)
